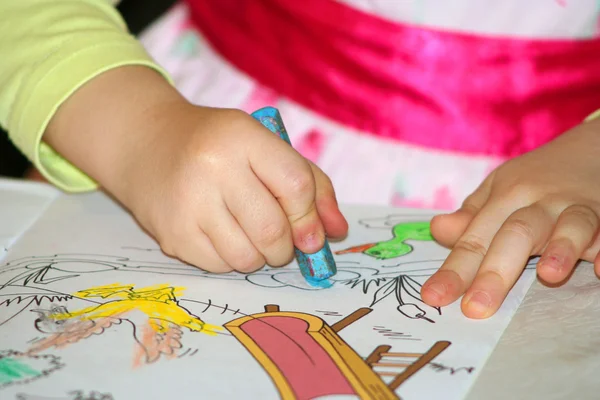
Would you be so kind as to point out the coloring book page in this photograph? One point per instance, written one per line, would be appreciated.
(90, 309)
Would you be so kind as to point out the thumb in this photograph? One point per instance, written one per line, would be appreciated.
(446, 229)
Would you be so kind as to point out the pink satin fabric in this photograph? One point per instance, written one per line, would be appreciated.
(433, 88)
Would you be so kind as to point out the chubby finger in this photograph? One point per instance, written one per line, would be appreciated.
(333, 220)
(448, 228)
(592, 254)
(525, 232)
(458, 270)
(597, 265)
(261, 218)
(196, 249)
(289, 177)
(230, 240)
(575, 231)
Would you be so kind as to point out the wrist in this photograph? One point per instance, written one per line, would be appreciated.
(104, 126)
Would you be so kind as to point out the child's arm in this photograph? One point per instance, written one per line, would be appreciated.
(49, 50)
(213, 186)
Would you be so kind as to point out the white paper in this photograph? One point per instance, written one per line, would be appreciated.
(130, 344)
(21, 203)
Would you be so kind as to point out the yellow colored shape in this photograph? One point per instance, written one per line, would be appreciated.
(366, 383)
(157, 292)
(159, 303)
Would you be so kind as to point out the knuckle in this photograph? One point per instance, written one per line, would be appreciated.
(472, 244)
(585, 214)
(272, 233)
(212, 158)
(248, 261)
(499, 274)
(301, 181)
(469, 207)
(520, 227)
(522, 193)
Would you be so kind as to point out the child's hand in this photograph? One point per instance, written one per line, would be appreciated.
(222, 192)
(213, 186)
(546, 202)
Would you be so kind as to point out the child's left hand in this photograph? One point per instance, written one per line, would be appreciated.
(546, 202)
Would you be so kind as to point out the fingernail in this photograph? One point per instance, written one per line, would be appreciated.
(554, 262)
(313, 239)
(438, 289)
(479, 303)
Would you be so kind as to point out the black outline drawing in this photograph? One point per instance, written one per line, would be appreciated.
(28, 278)
(407, 293)
(377, 375)
(389, 333)
(143, 249)
(60, 327)
(396, 245)
(329, 313)
(73, 395)
(442, 368)
(389, 221)
(54, 364)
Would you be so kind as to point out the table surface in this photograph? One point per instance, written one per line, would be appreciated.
(551, 349)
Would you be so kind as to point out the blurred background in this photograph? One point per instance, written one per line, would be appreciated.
(138, 14)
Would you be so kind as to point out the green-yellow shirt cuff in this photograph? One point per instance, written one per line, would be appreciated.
(52, 89)
(593, 115)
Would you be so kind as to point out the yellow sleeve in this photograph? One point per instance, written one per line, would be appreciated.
(48, 49)
(593, 115)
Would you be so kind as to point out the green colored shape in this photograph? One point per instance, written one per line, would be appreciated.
(12, 370)
(396, 247)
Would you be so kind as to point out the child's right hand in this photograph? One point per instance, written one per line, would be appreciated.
(213, 186)
(222, 192)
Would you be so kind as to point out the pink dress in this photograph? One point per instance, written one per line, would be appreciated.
(407, 102)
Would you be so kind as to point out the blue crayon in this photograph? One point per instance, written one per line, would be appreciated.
(317, 267)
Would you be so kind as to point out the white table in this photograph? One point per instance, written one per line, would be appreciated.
(551, 349)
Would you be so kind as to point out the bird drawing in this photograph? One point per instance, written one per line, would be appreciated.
(154, 312)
